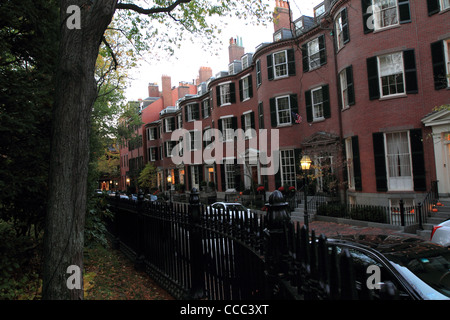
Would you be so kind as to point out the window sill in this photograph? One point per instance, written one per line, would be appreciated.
(387, 28)
(394, 96)
(225, 104)
(444, 11)
(318, 120)
(284, 125)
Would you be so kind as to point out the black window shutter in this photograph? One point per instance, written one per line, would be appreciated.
(308, 102)
(433, 7)
(200, 173)
(345, 29)
(250, 86)
(356, 163)
(418, 160)
(439, 69)
(218, 96)
(278, 179)
(294, 106)
(322, 50)
(305, 58)
(243, 122)
(380, 161)
(261, 115)
(326, 101)
(258, 72)
(291, 62)
(222, 177)
(365, 4)
(350, 86)
(234, 122)
(241, 89)
(273, 113)
(270, 67)
(186, 113)
(173, 123)
(220, 125)
(404, 12)
(372, 76)
(232, 92)
(197, 111)
(409, 62)
(252, 120)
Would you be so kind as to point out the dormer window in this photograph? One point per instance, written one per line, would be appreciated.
(319, 10)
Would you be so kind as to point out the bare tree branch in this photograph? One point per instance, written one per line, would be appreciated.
(138, 9)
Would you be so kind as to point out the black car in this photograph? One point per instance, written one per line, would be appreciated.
(418, 269)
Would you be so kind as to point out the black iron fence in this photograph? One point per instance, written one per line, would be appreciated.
(198, 253)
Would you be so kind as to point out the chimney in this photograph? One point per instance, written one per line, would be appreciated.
(282, 16)
(235, 50)
(167, 90)
(204, 74)
(153, 90)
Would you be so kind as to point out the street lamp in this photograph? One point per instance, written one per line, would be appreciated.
(169, 181)
(305, 163)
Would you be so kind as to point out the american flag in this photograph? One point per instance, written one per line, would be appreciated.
(297, 118)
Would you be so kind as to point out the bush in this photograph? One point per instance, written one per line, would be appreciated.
(368, 213)
(332, 210)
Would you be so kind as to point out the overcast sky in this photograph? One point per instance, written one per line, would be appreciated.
(186, 62)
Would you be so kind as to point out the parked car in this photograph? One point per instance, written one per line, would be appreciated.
(419, 270)
(151, 198)
(441, 234)
(124, 196)
(218, 207)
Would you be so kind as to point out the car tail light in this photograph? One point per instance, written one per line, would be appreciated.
(434, 230)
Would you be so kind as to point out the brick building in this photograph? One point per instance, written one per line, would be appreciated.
(364, 76)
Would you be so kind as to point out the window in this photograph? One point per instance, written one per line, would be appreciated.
(391, 74)
(398, 161)
(169, 146)
(245, 88)
(205, 109)
(436, 6)
(314, 54)
(324, 170)
(248, 123)
(440, 54)
(245, 61)
(287, 161)
(380, 14)
(261, 115)
(283, 110)
(194, 140)
(169, 124)
(281, 64)
(341, 27)
(225, 94)
(152, 133)
(350, 167)
(230, 174)
(192, 112)
(227, 128)
(319, 10)
(153, 153)
(258, 73)
(385, 13)
(318, 104)
(180, 121)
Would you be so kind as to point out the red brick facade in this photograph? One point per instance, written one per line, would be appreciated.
(372, 149)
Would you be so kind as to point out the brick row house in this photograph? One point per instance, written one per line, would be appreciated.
(354, 87)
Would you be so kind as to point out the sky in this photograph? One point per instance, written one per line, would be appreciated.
(186, 62)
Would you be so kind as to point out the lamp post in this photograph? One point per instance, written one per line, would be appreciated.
(305, 162)
(169, 181)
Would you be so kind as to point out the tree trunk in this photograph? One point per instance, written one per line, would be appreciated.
(75, 94)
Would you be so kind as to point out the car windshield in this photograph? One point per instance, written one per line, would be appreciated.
(428, 266)
(236, 207)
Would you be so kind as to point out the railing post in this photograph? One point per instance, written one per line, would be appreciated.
(419, 212)
(197, 290)
(402, 212)
(139, 262)
(277, 253)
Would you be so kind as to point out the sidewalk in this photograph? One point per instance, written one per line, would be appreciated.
(332, 229)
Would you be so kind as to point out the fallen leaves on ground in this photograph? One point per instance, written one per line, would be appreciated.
(109, 275)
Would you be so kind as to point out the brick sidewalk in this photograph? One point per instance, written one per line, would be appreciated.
(331, 229)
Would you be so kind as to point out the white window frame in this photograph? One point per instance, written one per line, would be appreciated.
(205, 107)
(344, 89)
(168, 124)
(379, 14)
(317, 106)
(248, 132)
(152, 156)
(444, 4)
(225, 94)
(190, 112)
(245, 62)
(245, 88)
(319, 11)
(152, 133)
(229, 174)
(288, 111)
(399, 182)
(194, 143)
(318, 163)
(180, 121)
(280, 68)
(447, 59)
(227, 128)
(169, 147)
(339, 31)
(389, 78)
(258, 73)
(287, 166)
(350, 165)
(312, 45)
